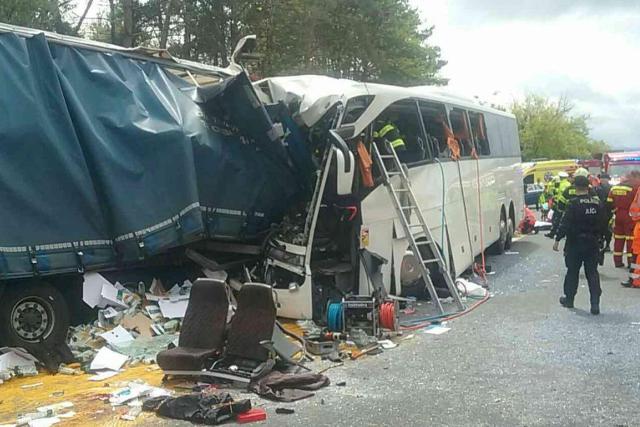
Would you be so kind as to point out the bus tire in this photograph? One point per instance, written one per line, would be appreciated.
(500, 245)
(510, 231)
(33, 315)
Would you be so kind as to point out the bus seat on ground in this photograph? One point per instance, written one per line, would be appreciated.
(203, 327)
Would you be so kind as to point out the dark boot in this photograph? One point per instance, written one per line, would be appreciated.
(626, 284)
(595, 305)
(549, 235)
(566, 302)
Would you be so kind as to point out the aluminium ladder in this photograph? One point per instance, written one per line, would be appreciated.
(414, 231)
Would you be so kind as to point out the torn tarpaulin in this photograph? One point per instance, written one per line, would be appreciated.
(283, 387)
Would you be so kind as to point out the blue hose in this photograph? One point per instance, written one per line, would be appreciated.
(334, 317)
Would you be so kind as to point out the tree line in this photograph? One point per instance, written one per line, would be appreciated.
(380, 41)
(551, 129)
(369, 40)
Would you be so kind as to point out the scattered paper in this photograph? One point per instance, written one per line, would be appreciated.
(157, 329)
(387, 344)
(101, 376)
(43, 422)
(112, 295)
(139, 323)
(135, 391)
(175, 290)
(55, 407)
(92, 288)
(154, 312)
(173, 309)
(99, 292)
(511, 253)
(110, 312)
(436, 330)
(30, 386)
(107, 359)
(117, 335)
(133, 413)
(14, 357)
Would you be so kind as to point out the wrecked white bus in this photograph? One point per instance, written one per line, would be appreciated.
(481, 192)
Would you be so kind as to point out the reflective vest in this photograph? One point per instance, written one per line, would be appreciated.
(561, 197)
(634, 208)
(392, 135)
(620, 198)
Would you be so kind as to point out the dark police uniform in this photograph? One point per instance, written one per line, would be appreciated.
(560, 205)
(584, 225)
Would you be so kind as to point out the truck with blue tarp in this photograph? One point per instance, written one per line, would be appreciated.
(112, 157)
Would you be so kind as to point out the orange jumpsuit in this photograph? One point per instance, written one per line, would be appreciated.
(634, 213)
(620, 197)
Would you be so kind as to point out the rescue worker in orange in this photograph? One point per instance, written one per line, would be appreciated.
(634, 270)
(634, 214)
(618, 201)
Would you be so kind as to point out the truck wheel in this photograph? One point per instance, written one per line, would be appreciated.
(33, 314)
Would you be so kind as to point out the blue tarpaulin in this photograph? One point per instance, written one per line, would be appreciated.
(106, 159)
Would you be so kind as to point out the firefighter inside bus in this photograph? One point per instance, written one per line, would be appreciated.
(399, 126)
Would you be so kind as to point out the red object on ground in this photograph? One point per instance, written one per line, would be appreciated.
(253, 415)
(528, 223)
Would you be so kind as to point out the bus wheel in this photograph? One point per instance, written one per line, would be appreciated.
(500, 245)
(510, 231)
(33, 314)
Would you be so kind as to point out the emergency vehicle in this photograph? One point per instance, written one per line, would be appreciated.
(618, 164)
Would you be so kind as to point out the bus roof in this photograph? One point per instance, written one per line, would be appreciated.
(319, 93)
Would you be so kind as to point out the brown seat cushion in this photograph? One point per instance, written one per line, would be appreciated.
(184, 358)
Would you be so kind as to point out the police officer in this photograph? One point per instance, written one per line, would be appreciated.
(584, 225)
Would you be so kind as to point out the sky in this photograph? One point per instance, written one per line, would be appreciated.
(500, 50)
(586, 50)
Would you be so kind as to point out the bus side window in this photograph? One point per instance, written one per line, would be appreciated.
(403, 115)
(460, 130)
(479, 132)
(434, 117)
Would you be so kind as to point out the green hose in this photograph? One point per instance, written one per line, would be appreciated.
(443, 218)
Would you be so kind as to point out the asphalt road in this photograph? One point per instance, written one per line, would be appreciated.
(518, 360)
